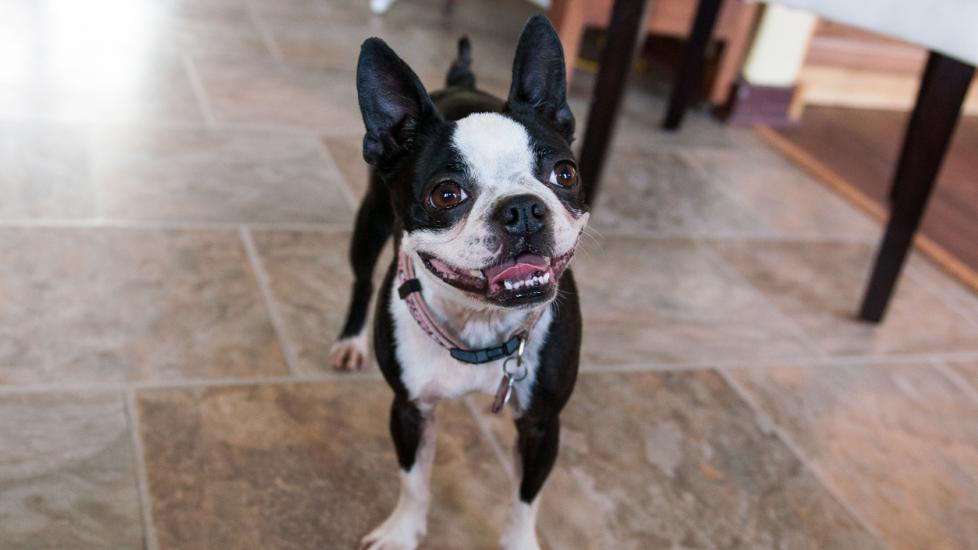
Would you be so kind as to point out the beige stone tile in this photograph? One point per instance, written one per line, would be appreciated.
(900, 444)
(820, 285)
(956, 294)
(968, 372)
(428, 49)
(67, 477)
(788, 201)
(305, 466)
(311, 280)
(345, 11)
(658, 300)
(113, 305)
(347, 153)
(200, 10)
(677, 460)
(217, 176)
(44, 172)
(662, 192)
(231, 39)
(640, 125)
(269, 95)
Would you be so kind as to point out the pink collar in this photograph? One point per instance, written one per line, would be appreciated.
(409, 289)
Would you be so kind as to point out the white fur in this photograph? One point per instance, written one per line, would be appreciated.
(429, 373)
(407, 524)
(380, 6)
(521, 533)
(499, 156)
(349, 353)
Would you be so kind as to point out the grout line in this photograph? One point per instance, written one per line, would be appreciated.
(142, 479)
(749, 236)
(763, 419)
(198, 383)
(266, 36)
(176, 225)
(586, 369)
(932, 287)
(497, 448)
(344, 185)
(91, 150)
(261, 277)
(717, 259)
(199, 91)
(812, 361)
(957, 380)
(189, 125)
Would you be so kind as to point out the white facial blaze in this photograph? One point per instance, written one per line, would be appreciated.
(499, 157)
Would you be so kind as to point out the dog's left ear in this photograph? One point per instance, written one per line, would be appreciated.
(539, 77)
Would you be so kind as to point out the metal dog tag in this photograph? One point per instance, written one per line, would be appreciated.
(503, 394)
(505, 391)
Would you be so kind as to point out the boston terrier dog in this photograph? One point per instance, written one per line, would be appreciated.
(484, 203)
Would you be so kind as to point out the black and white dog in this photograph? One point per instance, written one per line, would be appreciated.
(483, 199)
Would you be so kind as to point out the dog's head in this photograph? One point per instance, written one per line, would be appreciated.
(491, 203)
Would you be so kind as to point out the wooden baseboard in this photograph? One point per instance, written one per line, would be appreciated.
(937, 253)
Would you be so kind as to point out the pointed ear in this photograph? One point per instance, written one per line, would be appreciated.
(392, 102)
(539, 79)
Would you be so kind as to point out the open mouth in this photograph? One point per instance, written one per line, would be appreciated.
(518, 280)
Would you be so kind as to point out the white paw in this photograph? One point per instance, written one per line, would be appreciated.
(349, 353)
(401, 531)
(521, 531)
(525, 539)
(380, 6)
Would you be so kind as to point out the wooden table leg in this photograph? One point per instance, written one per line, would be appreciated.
(623, 38)
(691, 69)
(568, 18)
(942, 91)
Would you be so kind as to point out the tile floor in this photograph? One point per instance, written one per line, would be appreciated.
(177, 183)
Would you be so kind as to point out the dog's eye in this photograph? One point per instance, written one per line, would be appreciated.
(446, 194)
(564, 174)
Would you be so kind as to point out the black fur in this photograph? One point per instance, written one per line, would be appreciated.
(406, 133)
(460, 73)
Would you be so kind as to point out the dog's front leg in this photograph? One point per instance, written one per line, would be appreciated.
(414, 434)
(536, 451)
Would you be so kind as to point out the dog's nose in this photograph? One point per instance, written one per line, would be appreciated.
(522, 215)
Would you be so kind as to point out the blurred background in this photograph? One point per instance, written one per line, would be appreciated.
(178, 179)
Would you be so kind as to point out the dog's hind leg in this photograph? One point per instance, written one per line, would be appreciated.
(414, 434)
(535, 454)
(375, 221)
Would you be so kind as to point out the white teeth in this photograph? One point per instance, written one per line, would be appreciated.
(475, 273)
(532, 282)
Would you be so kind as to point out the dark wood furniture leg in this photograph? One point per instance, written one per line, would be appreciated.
(942, 91)
(691, 69)
(624, 35)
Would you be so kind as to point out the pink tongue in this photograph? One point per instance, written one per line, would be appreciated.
(524, 266)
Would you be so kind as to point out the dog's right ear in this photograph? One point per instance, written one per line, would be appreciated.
(392, 101)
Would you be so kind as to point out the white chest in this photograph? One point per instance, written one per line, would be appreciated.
(430, 374)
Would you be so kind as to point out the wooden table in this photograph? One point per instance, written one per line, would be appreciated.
(935, 115)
